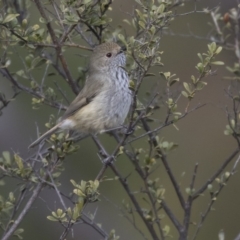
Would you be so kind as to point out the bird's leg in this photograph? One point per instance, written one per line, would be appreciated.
(126, 130)
(102, 151)
(110, 130)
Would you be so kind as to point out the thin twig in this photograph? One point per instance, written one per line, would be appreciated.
(9, 76)
(215, 175)
(24, 211)
(135, 202)
(214, 196)
(69, 79)
(166, 165)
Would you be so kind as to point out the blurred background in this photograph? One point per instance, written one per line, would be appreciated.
(200, 138)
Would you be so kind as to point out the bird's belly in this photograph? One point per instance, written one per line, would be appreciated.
(102, 113)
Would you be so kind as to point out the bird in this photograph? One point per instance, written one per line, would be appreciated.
(105, 99)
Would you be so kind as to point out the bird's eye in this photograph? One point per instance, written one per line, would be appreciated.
(108, 55)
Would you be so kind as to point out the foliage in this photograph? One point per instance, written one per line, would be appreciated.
(43, 44)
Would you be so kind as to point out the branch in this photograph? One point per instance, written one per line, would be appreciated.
(215, 175)
(214, 196)
(5, 102)
(165, 163)
(26, 208)
(171, 216)
(69, 79)
(165, 124)
(8, 75)
(188, 205)
(135, 202)
(108, 163)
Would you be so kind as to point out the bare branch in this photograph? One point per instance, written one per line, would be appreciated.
(69, 79)
(24, 211)
(215, 175)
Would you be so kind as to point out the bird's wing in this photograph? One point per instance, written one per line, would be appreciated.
(90, 90)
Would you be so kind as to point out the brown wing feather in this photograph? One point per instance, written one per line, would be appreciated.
(90, 90)
(74, 106)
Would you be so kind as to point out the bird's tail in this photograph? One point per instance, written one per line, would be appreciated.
(45, 135)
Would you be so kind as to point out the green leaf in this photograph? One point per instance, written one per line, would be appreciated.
(74, 183)
(193, 79)
(6, 156)
(150, 75)
(77, 209)
(18, 232)
(188, 191)
(11, 197)
(127, 21)
(10, 17)
(161, 8)
(166, 75)
(174, 81)
(59, 212)
(233, 123)
(51, 218)
(19, 162)
(221, 235)
(228, 130)
(184, 94)
(140, 14)
(200, 85)
(219, 49)
(142, 24)
(210, 187)
(227, 175)
(42, 20)
(166, 230)
(86, 2)
(200, 67)
(79, 192)
(217, 63)
(187, 87)
(139, 2)
(212, 47)
(200, 56)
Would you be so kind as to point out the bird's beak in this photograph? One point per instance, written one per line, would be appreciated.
(122, 50)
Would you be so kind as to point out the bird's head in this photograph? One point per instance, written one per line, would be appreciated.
(107, 57)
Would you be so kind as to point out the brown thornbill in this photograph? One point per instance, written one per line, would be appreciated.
(105, 99)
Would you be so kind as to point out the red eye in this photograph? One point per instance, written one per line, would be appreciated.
(108, 55)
